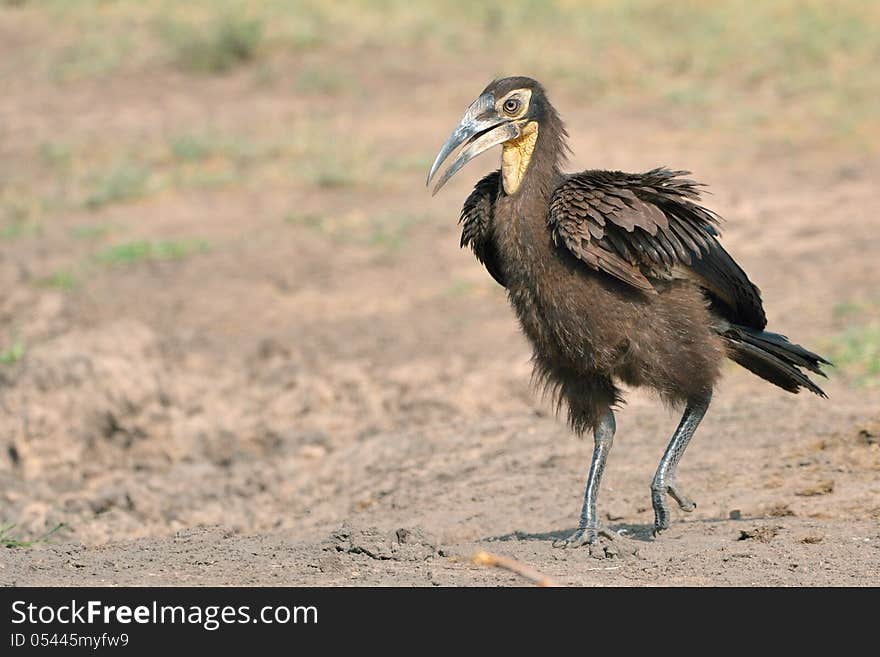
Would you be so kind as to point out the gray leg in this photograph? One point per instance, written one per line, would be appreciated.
(588, 529)
(664, 480)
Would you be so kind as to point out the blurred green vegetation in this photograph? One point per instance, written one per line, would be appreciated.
(226, 42)
(786, 73)
(7, 540)
(122, 182)
(13, 353)
(781, 74)
(692, 53)
(143, 250)
(855, 347)
(387, 231)
(321, 80)
(62, 279)
(856, 351)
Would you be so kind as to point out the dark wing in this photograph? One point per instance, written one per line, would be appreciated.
(477, 227)
(644, 228)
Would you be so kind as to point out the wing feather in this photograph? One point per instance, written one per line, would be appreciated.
(642, 228)
(477, 224)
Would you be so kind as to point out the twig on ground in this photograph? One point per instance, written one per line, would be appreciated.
(483, 558)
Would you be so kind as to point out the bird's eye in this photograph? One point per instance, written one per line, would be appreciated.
(511, 105)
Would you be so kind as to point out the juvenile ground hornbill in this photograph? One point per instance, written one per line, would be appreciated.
(615, 277)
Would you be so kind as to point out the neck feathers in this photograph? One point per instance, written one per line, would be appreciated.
(516, 156)
(534, 160)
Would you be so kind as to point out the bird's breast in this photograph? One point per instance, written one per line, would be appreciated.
(543, 291)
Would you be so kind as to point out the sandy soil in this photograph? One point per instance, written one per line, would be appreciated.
(309, 406)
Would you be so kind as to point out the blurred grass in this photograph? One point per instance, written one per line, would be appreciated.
(15, 228)
(320, 80)
(856, 351)
(791, 72)
(57, 156)
(7, 540)
(102, 172)
(13, 353)
(386, 232)
(91, 56)
(214, 47)
(785, 73)
(145, 250)
(855, 347)
(687, 52)
(62, 279)
(91, 232)
(122, 182)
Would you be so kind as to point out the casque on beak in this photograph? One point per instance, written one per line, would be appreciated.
(480, 129)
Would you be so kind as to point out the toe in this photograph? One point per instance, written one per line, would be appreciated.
(578, 539)
(684, 502)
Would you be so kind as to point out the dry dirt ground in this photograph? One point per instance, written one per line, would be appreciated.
(247, 371)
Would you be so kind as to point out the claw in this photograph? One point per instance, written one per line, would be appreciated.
(684, 502)
(586, 536)
(581, 537)
(661, 509)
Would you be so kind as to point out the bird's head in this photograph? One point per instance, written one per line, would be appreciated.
(509, 111)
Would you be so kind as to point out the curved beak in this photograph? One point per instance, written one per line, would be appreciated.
(479, 130)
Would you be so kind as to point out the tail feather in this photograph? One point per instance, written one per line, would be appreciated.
(780, 346)
(772, 357)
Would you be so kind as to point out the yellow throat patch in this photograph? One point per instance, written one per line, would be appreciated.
(515, 156)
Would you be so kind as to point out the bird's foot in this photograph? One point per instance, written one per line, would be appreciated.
(685, 503)
(583, 536)
(661, 511)
(661, 508)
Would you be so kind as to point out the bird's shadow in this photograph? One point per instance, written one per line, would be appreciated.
(636, 532)
(642, 533)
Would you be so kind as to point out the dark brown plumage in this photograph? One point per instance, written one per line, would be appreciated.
(615, 278)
